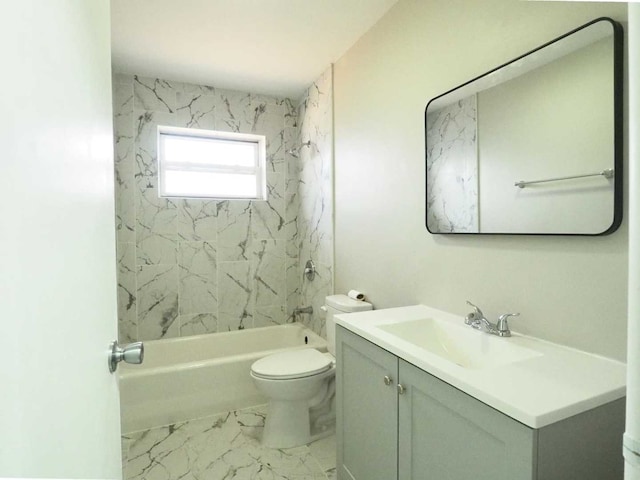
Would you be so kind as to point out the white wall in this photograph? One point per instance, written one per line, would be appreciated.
(542, 125)
(59, 410)
(569, 290)
(631, 439)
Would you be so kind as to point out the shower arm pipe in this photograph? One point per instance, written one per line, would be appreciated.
(296, 150)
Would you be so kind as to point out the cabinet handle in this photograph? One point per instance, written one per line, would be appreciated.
(401, 389)
(387, 380)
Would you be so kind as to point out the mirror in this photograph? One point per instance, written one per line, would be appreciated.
(533, 146)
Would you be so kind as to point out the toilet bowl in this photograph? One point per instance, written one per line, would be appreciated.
(299, 381)
(291, 381)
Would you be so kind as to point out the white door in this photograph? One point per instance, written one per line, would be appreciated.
(59, 412)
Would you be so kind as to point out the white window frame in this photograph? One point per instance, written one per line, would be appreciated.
(258, 169)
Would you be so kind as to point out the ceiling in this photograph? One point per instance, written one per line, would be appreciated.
(274, 47)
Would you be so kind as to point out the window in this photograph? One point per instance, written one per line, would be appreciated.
(210, 164)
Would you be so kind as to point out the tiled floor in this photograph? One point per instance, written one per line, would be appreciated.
(222, 447)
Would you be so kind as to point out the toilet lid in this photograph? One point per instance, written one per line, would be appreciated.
(292, 364)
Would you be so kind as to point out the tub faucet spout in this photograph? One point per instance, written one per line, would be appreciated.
(299, 310)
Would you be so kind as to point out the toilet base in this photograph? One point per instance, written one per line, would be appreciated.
(287, 424)
(293, 404)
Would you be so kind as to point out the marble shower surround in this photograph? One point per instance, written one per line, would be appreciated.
(190, 266)
(315, 220)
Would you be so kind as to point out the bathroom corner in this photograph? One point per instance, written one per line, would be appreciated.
(315, 224)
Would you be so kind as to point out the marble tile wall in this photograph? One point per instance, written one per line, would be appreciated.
(189, 266)
(452, 165)
(315, 220)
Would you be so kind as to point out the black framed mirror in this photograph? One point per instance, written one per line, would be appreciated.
(533, 146)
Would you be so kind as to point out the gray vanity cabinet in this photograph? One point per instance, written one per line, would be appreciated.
(425, 429)
(367, 410)
(445, 434)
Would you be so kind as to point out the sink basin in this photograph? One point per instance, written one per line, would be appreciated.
(534, 381)
(459, 344)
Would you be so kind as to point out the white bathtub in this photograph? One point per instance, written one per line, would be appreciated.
(192, 377)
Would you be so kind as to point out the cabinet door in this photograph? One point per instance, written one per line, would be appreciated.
(367, 409)
(444, 434)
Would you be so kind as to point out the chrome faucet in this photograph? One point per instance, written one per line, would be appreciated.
(478, 321)
(503, 326)
(300, 310)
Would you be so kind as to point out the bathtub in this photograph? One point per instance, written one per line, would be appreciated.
(191, 377)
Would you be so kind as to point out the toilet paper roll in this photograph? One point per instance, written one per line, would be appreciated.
(356, 295)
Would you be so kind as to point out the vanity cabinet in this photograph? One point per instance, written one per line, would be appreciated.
(396, 421)
(366, 409)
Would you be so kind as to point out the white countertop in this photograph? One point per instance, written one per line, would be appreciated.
(538, 391)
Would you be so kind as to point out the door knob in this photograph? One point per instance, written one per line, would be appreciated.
(401, 389)
(131, 353)
(387, 380)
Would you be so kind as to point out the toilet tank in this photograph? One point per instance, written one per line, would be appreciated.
(335, 305)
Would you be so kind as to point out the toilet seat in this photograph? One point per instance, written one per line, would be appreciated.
(293, 364)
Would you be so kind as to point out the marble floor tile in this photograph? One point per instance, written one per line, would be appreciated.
(324, 451)
(222, 447)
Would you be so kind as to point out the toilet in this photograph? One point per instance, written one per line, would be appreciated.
(300, 385)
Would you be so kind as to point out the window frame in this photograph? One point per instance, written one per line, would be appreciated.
(259, 168)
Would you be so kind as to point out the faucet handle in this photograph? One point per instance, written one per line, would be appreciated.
(475, 316)
(503, 325)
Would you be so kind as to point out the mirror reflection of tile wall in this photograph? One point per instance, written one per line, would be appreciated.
(531, 146)
(189, 266)
(452, 165)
